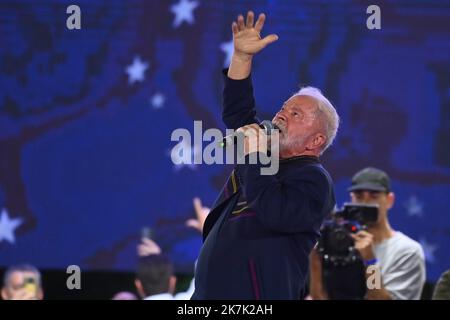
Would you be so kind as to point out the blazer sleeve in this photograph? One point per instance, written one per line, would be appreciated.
(298, 203)
(238, 102)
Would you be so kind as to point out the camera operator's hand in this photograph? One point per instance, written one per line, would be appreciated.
(364, 244)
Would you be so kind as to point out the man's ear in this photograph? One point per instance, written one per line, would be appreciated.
(172, 284)
(317, 141)
(139, 288)
(390, 200)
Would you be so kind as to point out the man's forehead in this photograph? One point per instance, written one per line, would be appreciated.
(301, 102)
(362, 191)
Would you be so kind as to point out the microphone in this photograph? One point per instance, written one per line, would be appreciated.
(231, 139)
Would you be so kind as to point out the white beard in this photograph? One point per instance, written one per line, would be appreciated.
(286, 142)
(289, 143)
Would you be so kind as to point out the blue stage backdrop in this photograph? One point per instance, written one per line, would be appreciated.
(86, 116)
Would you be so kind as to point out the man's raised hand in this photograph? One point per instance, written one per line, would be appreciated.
(247, 42)
(246, 35)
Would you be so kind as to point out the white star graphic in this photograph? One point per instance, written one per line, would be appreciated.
(414, 206)
(157, 100)
(136, 70)
(428, 250)
(183, 11)
(228, 48)
(7, 227)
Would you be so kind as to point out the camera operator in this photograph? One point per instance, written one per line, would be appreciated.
(399, 258)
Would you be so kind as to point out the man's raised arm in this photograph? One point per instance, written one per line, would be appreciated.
(238, 101)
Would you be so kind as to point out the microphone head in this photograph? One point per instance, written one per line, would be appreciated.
(268, 126)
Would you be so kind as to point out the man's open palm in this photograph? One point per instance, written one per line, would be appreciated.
(246, 36)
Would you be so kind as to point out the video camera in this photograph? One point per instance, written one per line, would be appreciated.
(343, 267)
(336, 246)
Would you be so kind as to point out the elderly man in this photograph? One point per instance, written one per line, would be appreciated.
(261, 229)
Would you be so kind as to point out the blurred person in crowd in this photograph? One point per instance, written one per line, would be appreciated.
(155, 278)
(442, 289)
(124, 295)
(22, 282)
(399, 258)
(148, 247)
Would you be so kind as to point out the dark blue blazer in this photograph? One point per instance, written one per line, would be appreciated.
(261, 229)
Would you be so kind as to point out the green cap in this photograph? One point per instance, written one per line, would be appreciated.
(371, 179)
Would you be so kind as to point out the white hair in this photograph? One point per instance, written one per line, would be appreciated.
(329, 115)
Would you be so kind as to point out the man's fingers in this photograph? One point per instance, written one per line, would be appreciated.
(249, 130)
(249, 126)
(368, 234)
(359, 237)
(240, 22)
(260, 22)
(252, 127)
(364, 234)
(250, 19)
(269, 39)
(234, 27)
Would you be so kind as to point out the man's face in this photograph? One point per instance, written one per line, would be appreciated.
(382, 199)
(298, 123)
(18, 288)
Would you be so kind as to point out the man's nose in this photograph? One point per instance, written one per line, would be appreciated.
(281, 116)
(365, 196)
